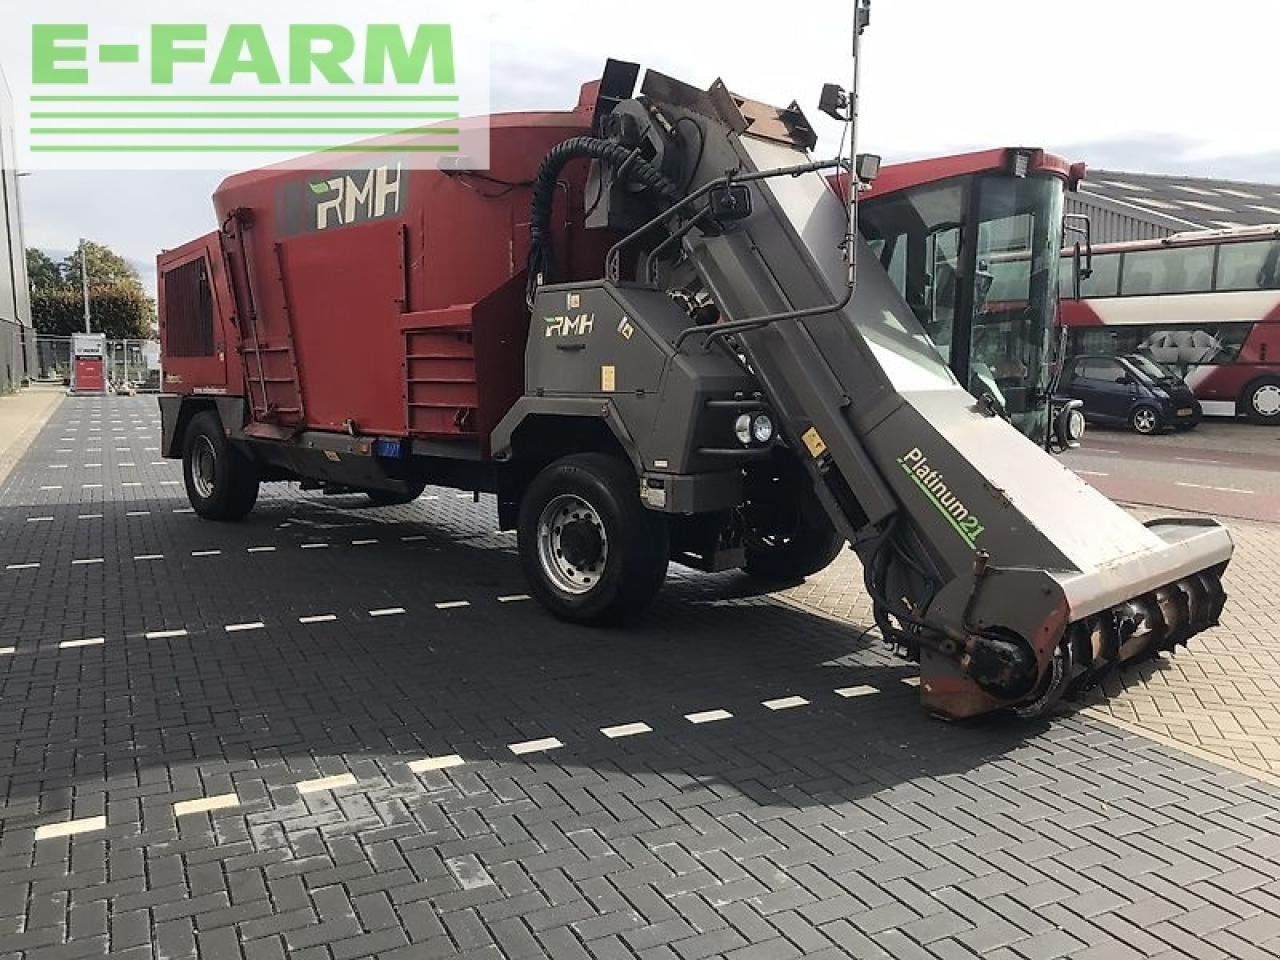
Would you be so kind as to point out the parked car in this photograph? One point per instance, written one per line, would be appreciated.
(1131, 390)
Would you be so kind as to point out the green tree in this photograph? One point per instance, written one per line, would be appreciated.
(106, 268)
(44, 272)
(119, 305)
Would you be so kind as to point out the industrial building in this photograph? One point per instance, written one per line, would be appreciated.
(1143, 206)
(17, 338)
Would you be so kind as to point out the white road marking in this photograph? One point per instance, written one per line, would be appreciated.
(911, 681)
(70, 828)
(1092, 473)
(87, 642)
(430, 496)
(785, 703)
(38, 519)
(514, 598)
(138, 513)
(126, 464)
(89, 516)
(64, 450)
(184, 509)
(205, 553)
(59, 466)
(222, 801)
(626, 730)
(463, 496)
(166, 634)
(862, 690)
(88, 560)
(91, 466)
(708, 716)
(159, 463)
(452, 604)
(314, 546)
(535, 746)
(150, 449)
(363, 543)
(318, 618)
(435, 763)
(261, 550)
(8, 651)
(1197, 460)
(168, 483)
(326, 783)
(91, 486)
(131, 483)
(1201, 486)
(51, 488)
(149, 556)
(386, 612)
(240, 627)
(416, 536)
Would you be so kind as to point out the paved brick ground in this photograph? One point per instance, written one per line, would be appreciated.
(402, 779)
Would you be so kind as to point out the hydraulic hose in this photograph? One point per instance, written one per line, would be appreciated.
(541, 255)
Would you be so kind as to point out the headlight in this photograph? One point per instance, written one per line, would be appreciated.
(762, 429)
(742, 429)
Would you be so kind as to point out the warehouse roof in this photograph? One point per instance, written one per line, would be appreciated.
(1187, 202)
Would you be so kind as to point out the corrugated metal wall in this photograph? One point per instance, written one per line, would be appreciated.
(17, 342)
(1112, 224)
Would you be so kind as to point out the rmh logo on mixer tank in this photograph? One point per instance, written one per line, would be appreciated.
(357, 197)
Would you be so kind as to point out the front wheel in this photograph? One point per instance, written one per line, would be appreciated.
(590, 550)
(1145, 420)
(222, 483)
(1261, 401)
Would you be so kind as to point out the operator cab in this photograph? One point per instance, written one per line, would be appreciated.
(972, 242)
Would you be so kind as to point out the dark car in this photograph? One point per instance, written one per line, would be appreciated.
(1132, 390)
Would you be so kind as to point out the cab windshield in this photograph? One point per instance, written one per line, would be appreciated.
(976, 258)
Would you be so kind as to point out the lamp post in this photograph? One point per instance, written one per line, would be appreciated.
(84, 283)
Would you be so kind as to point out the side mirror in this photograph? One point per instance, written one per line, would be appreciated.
(729, 202)
(1125, 379)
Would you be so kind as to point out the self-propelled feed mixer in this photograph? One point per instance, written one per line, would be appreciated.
(648, 331)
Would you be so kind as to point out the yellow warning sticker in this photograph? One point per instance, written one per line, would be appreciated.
(608, 378)
(813, 440)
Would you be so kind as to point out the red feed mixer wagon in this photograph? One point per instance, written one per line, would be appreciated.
(647, 329)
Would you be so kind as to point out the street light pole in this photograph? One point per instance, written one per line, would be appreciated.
(84, 283)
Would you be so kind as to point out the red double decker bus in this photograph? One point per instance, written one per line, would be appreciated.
(1205, 305)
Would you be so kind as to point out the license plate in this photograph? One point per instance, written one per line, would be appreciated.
(1185, 412)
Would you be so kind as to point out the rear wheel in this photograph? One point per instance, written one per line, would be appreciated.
(1261, 401)
(590, 550)
(1145, 419)
(789, 535)
(222, 483)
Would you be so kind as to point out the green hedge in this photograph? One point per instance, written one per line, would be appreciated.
(118, 311)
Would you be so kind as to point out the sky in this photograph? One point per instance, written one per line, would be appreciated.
(1158, 87)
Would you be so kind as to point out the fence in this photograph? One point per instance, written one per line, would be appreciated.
(130, 364)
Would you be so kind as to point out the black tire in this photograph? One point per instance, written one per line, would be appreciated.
(222, 483)
(385, 498)
(1259, 401)
(1145, 419)
(789, 535)
(628, 565)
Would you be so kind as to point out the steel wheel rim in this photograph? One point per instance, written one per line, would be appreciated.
(204, 464)
(564, 574)
(1144, 421)
(1266, 400)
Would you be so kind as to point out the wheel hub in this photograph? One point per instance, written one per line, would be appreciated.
(1266, 400)
(204, 460)
(581, 543)
(573, 547)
